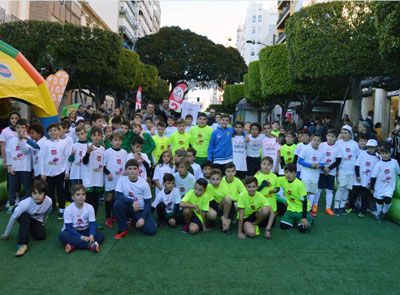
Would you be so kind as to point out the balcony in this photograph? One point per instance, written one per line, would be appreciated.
(124, 31)
(281, 3)
(283, 16)
(282, 38)
(132, 7)
(125, 13)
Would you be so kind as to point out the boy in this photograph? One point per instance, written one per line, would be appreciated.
(311, 160)
(349, 151)
(253, 147)
(239, 150)
(233, 184)
(206, 168)
(287, 150)
(149, 127)
(383, 182)
(79, 230)
(36, 131)
(30, 214)
(18, 158)
(180, 139)
(184, 181)
(143, 160)
(191, 153)
(296, 196)
(189, 122)
(362, 142)
(221, 201)
(96, 120)
(275, 128)
(133, 200)
(305, 138)
(217, 121)
(167, 203)
(116, 123)
(171, 128)
(93, 167)
(200, 136)
(53, 161)
(267, 183)
(196, 201)
(331, 158)
(157, 120)
(148, 143)
(161, 142)
(127, 136)
(76, 157)
(63, 127)
(253, 211)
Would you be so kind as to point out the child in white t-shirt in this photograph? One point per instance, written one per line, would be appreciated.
(170, 128)
(36, 131)
(76, 158)
(79, 230)
(305, 138)
(271, 147)
(142, 158)
(253, 148)
(184, 181)
(163, 167)
(191, 155)
(239, 150)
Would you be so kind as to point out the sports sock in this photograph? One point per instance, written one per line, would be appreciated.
(379, 208)
(311, 199)
(329, 197)
(108, 207)
(316, 197)
(338, 197)
(344, 194)
(61, 210)
(386, 207)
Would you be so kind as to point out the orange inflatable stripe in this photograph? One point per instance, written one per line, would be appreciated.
(26, 65)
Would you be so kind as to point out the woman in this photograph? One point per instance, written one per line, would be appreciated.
(73, 116)
(117, 113)
(363, 128)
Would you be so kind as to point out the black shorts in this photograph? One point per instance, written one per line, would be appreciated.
(252, 218)
(214, 205)
(326, 182)
(196, 220)
(253, 165)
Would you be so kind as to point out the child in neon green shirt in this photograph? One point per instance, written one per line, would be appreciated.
(161, 142)
(268, 182)
(234, 185)
(180, 139)
(200, 136)
(287, 150)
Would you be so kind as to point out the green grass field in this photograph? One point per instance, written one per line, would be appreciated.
(341, 255)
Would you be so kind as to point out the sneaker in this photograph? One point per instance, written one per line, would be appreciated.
(314, 208)
(160, 223)
(114, 219)
(329, 212)
(7, 204)
(120, 235)
(343, 211)
(227, 232)
(95, 247)
(10, 210)
(69, 248)
(60, 216)
(313, 213)
(336, 212)
(99, 226)
(360, 215)
(109, 223)
(257, 228)
(185, 228)
(379, 217)
(349, 210)
(21, 250)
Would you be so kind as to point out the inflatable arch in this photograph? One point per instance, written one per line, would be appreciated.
(20, 80)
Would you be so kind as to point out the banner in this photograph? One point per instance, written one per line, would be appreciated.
(176, 97)
(192, 109)
(57, 84)
(138, 99)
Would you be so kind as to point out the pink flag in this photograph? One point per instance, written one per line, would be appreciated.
(176, 97)
(138, 99)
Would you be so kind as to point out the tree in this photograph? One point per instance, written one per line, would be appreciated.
(254, 83)
(161, 91)
(334, 43)
(233, 94)
(183, 55)
(147, 79)
(246, 86)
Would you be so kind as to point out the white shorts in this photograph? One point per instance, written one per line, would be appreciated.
(345, 181)
(382, 197)
(311, 187)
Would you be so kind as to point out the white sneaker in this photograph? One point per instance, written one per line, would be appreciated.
(8, 204)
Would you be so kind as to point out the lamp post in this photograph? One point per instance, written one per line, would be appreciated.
(254, 42)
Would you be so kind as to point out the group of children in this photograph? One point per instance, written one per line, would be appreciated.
(247, 175)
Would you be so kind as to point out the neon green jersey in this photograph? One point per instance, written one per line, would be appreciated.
(251, 204)
(272, 180)
(200, 139)
(161, 145)
(179, 141)
(287, 152)
(203, 202)
(294, 193)
(234, 188)
(217, 193)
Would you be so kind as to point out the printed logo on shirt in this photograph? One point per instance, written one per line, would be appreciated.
(328, 153)
(348, 150)
(118, 161)
(99, 158)
(182, 189)
(289, 192)
(181, 142)
(162, 147)
(54, 152)
(368, 164)
(169, 203)
(17, 148)
(200, 135)
(253, 207)
(34, 152)
(130, 194)
(289, 153)
(387, 171)
(80, 221)
(80, 153)
(314, 158)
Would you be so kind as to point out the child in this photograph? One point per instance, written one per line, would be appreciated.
(383, 182)
(63, 127)
(365, 164)
(191, 155)
(305, 138)
(108, 131)
(133, 200)
(200, 136)
(93, 167)
(239, 150)
(331, 158)
(161, 142)
(196, 201)
(362, 141)
(164, 166)
(349, 151)
(181, 155)
(311, 160)
(180, 139)
(253, 211)
(270, 147)
(221, 201)
(267, 183)
(36, 131)
(233, 184)
(184, 181)
(116, 124)
(247, 127)
(114, 162)
(296, 196)
(127, 136)
(149, 127)
(30, 214)
(287, 150)
(217, 121)
(167, 203)
(79, 230)
(76, 158)
(148, 143)
(157, 120)
(18, 152)
(53, 161)
(206, 168)
(275, 128)
(8, 133)
(253, 149)
(171, 128)
(189, 122)
(143, 160)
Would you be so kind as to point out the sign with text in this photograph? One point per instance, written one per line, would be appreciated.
(176, 97)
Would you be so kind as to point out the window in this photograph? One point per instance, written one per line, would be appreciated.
(254, 19)
(253, 52)
(253, 30)
(260, 18)
(271, 27)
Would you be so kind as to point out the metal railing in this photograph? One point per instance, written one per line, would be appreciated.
(283, 14)
(281, 37)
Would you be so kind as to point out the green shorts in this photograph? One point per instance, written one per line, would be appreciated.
(109, 192)
(292, 218)
(96, 189)
(200, 160)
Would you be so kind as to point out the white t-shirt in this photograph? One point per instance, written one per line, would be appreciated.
(160, 171)
(184, 184)
(6, 135)
(202, 176)
(187, 129)
(137, 191)
(19, 154)
(349, 151)
(69, 142)
(169, 200)
(254, 146)
(297, 152)
(92, 173)
(79, 218)
(329, 155)
(366, 162)
(196, 169)
(311, 156)
(77, 165)
(115, 163)
(270, 147)
(36, 211)
(214, 126)
(385, 174)
(239, 152)
(170, 130)
(142, 168)
(53, 157)
(35, 156)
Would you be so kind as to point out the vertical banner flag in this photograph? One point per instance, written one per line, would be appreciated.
(138, 99)
(189, 108)
(57, 84)
(176, 97)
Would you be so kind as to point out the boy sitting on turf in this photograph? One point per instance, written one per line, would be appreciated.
(167, 203)
(253, 211)
(184, 181)
(296, 197)
(196, 201)
(79, 230)
(30, 213)
(233, 184)
(133, 199)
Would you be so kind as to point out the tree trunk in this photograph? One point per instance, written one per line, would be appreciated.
(356, 100)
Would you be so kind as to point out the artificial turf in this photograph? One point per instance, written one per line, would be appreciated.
(341, 255)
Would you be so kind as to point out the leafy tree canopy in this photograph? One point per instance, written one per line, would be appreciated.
(254, 83)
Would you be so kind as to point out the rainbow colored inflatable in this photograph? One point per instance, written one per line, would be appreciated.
(20, 80)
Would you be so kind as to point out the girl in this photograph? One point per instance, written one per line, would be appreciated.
(239, 150)
(270, 147)
(253, 149)
(79, 230)
(164, 166)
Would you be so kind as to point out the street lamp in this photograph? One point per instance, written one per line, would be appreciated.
(254, 42)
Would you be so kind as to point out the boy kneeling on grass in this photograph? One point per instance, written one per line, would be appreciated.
(30, 213)
(254, 209)
(79, 230)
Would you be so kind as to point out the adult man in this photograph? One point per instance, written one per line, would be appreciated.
(370, 120)
(149, 112)
(165, 111)
(81, 110)
(88, 113)
(211, 118)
